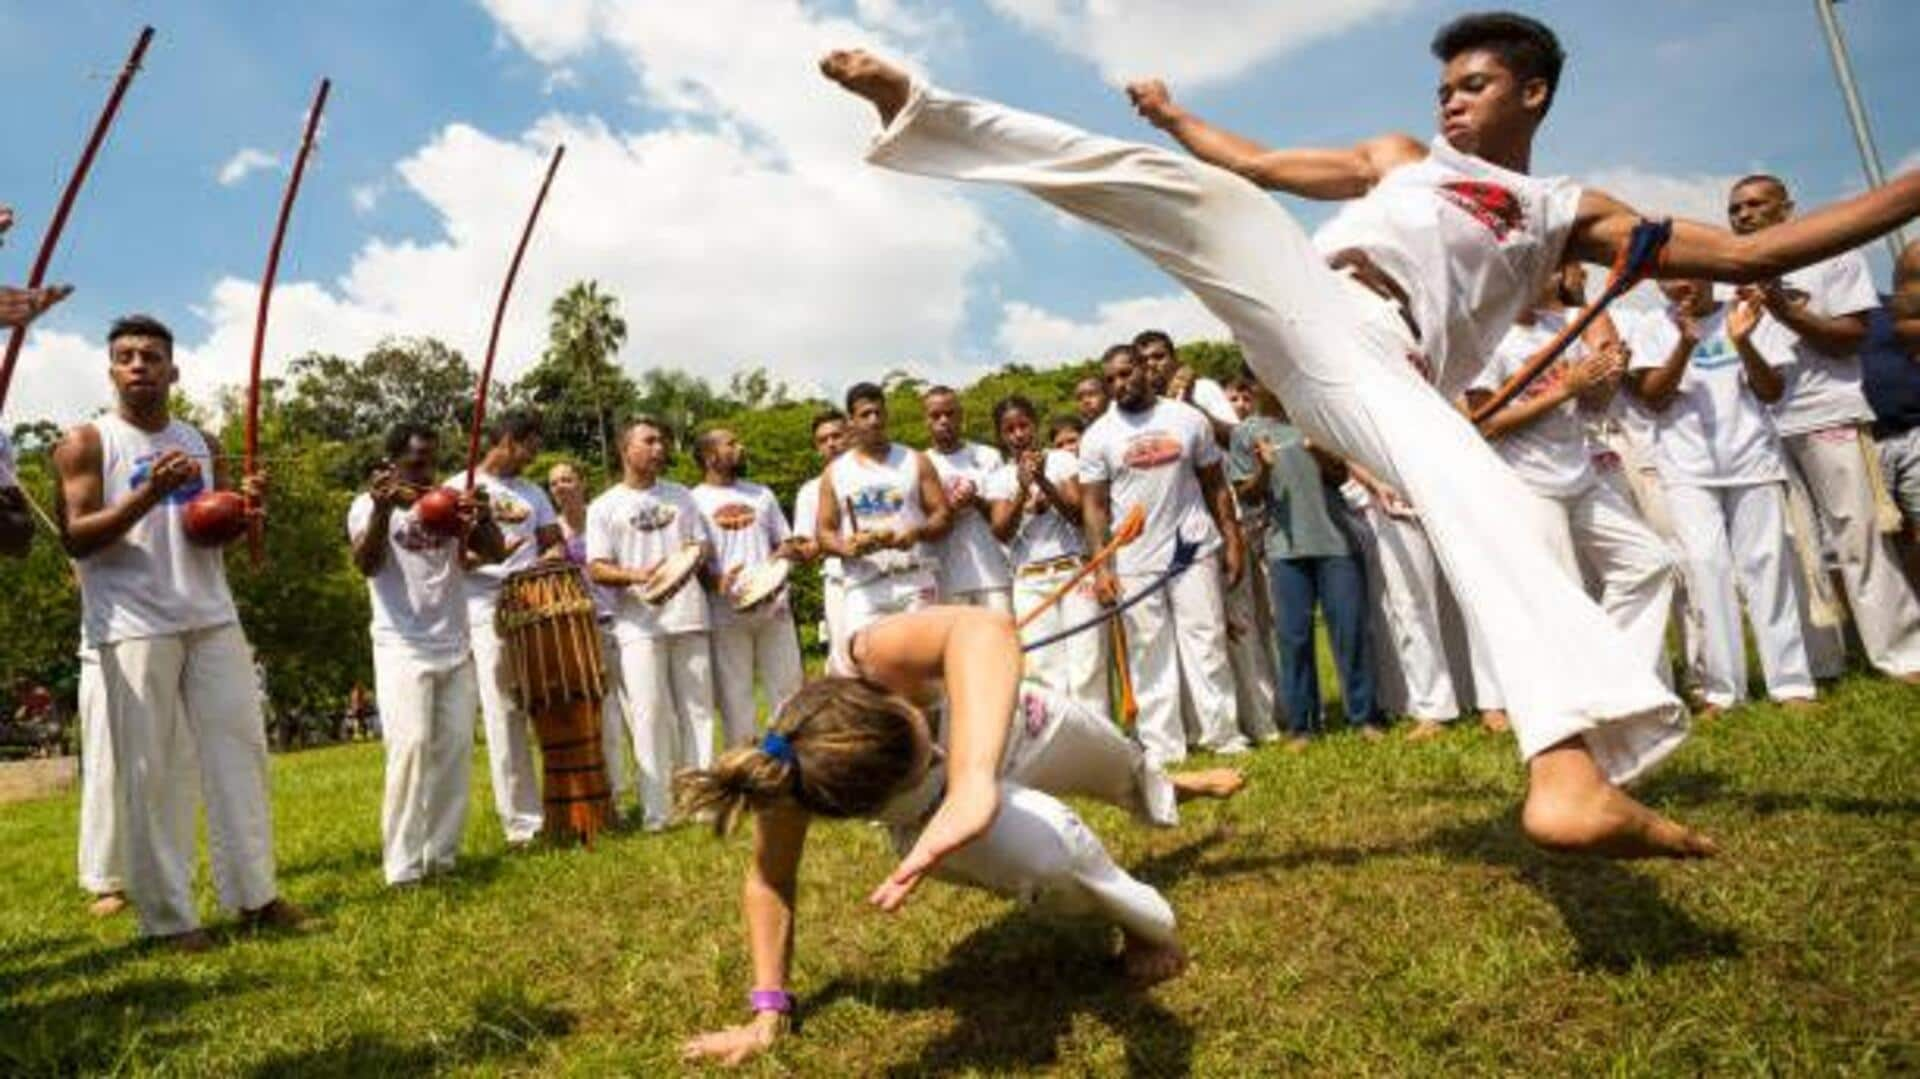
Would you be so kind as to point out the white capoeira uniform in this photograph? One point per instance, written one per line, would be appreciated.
(747, 526)
(1471, 244)
(1823, 419)
(616, 745)
(1411, 671)
(833, 579)
(666, 653)
(1178, 636)
(1725, 478)
(522, 510)
(179, 682)
(103, 851)
(971, 564)
(1046, 550)
(1038, 851)
(875, 496)
(423, 677)
(1590, 523)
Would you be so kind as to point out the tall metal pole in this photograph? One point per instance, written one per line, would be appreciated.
(1856, 112)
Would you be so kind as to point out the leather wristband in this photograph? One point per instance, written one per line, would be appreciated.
(771, 1000)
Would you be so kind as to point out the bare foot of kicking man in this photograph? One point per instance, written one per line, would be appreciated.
(1210, 783)
(1572, 807)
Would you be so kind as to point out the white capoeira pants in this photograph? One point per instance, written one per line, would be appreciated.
(1832, 465)
(833, 607)
(1178, 637)
(1251, 652)
(1638, 478)
(1410, 655)
(1336, 354)
(616, 746)
(867, 602)
(669, 689)
(1734, 540)
(1038, 851)
(1076, 666)
(172, 700)
(762, 646)
(426, 724)
(1596, 534)
(103, 853)
(516, 782)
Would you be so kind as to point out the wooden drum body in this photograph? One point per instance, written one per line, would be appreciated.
(551, 642)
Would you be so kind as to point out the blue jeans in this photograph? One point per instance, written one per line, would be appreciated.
(1340, 590)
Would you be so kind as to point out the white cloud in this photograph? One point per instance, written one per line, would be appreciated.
(1695, 196)
(366, 197)
(1185, 42)
(62, 376)
(1029, 334)
(748, 233)
(550, 30)
(244, 163)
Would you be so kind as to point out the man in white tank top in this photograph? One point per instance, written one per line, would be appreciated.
(176, 670)
(1445, 242)
(748, 530)
(881, 503)
(526, 518)
(829, 438)
(972, 564)
(422, 659)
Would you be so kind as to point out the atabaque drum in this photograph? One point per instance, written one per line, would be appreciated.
(551, 645)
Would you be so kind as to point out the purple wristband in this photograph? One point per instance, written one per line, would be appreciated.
(771, 1000)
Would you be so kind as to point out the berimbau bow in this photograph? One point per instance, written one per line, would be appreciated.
(500, 314)
(252, 460)
(51, 240)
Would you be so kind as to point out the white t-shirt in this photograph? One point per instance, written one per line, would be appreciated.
(521, 509)
(970, 559)
(806, 522)
(1822, 391)
(1150, 459)
(8, 477)
(1551, 453)
(1715, 432)
(418, 602)
(746, 524)
(1211, 398)
(153, 581)
(1469, 241)
(635, 529)
(1043, 535)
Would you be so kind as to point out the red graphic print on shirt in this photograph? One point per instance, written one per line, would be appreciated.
(1490, 204)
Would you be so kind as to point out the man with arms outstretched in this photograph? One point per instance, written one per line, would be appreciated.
(1443, 245)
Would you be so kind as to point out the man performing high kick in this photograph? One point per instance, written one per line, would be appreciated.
(1443, 245)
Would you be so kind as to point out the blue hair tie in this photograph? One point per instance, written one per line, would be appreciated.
(775, 745)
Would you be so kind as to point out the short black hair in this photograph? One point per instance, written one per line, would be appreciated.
(139, 326)
(939, 390)
(1148, 337)
(865, 391)
(1065, 423)
(1760, 178)
(644, 419)
(1526, 46)
(703, 444)
(518, 424)
(1012, 403)
(821, 419)
(401, 434)
(1114, 350)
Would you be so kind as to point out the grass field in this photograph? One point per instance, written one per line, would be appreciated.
(1361, 909)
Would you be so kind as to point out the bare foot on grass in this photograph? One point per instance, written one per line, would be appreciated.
(1495, 720)
(865, 75)
(1573, 808)
(1425, 730)
(1210, 783)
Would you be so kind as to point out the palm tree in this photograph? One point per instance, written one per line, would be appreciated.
(584, 333)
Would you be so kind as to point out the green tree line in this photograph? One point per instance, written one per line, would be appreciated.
(305, 609)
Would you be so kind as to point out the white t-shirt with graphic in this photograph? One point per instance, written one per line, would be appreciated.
(418, 601)
(969, 558)
(634, 528)
(747, 526)
(1043, 534)
(521, 509)
(1551, 454)
(806, 522)
(1149, 459)
(880, 496)
(1823, 391)
(1715, 432)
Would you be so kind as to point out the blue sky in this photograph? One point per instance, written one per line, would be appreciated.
(714, 183)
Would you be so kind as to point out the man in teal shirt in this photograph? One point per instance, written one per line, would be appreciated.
(1311, 561)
